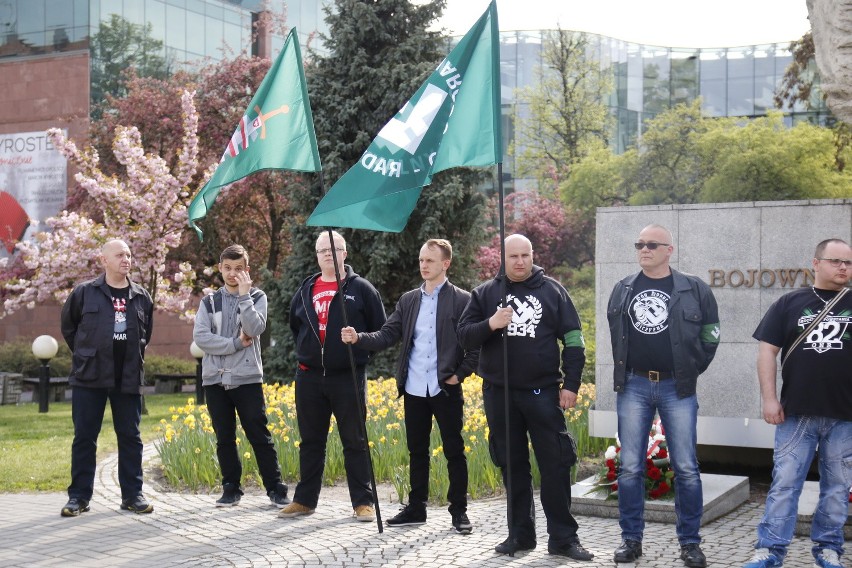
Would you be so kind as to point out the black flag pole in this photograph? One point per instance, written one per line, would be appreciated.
(361, 418)
(502, 274)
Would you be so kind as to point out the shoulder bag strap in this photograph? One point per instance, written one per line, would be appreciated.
(817, 320)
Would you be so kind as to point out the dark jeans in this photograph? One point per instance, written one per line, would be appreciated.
(87, 413)
(247, 401)
(317, 398)
(448, 412)
(537, 412)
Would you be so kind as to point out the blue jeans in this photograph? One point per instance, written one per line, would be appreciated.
(796, 439)
(636, 406)
(537, 412)
(87, 413)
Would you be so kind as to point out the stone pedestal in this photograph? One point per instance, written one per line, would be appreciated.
(722, 494)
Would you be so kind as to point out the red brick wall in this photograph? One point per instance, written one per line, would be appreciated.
(40, 92)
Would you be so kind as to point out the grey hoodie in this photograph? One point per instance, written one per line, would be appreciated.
(220, 317)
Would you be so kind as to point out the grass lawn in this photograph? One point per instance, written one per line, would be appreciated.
(35, 449)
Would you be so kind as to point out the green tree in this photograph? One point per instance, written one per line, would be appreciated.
(562, 117)
(765, 161)
(668, 168)
(686, 158)
(379, 53)
(120, 45)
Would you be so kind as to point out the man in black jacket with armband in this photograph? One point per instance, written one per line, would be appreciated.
(542, 383)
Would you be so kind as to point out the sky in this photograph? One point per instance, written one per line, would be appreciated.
(670, 23)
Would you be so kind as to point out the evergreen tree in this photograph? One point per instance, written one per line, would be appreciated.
(379, 53)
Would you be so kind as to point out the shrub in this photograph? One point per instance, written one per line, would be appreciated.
(17, 357)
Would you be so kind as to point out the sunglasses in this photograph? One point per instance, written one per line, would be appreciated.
(651, 246)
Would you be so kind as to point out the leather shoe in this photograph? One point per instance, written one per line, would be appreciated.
(573, 550)
(512, 545)
(629, 551)
(692, 556)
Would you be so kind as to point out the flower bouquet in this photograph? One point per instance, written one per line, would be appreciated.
(659, 477)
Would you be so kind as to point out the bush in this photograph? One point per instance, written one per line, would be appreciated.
(167, 365)
(17, 357)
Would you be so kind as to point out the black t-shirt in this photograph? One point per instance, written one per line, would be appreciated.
(650, 346)
(817, 377)
(120, 297)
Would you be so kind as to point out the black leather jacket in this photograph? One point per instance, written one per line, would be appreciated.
(693, 329)
(452, 358)
(88, 321)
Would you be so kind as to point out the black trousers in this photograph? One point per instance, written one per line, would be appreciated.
(317, 398)
(246, 401)
(87, 413)
(447, 408)
(537, 412)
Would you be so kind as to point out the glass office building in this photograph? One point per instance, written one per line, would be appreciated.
(646, 80)
(191, 30)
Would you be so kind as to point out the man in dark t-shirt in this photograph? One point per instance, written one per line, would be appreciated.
(114, 306)
(664, 327)
(815, 408)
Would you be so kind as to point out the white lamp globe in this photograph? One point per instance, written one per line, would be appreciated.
(196, 350)
(45, 347)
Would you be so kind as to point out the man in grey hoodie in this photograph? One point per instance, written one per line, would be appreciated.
(227, 327)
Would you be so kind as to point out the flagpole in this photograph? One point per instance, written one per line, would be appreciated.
(502, 218)
(361, 418)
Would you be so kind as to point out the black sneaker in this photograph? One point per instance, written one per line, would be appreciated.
(513, 545)
(231, 495)
(629, 551)
(461, 523)
(278, 496)
(137, 504)
(573, 550)
(692, 556)
(74, 507)
(411, 514)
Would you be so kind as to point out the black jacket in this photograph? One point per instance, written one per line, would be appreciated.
(693, 329)
(544, 316)
(364, 310)
(452, 358)
(88, 321)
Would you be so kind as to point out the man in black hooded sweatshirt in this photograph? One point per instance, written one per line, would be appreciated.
(542, 383)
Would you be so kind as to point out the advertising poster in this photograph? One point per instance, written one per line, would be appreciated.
(33, 186)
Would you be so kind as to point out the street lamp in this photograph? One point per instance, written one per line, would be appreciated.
(44, 349)
(196, 352)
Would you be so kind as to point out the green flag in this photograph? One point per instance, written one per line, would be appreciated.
(452, 120)
(276, 131)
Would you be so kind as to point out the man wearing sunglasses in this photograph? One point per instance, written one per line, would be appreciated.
(812, 328)
(664, 327)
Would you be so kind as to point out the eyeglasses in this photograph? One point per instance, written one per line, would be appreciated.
(651, 246)
(328, 250)
(836, 262)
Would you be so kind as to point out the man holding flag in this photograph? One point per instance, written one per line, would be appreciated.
(542, 381)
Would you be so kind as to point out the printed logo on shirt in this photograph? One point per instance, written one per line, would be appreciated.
(830, 332)
(526, 315)
(322, 301)
(119, 306)
(649, 311)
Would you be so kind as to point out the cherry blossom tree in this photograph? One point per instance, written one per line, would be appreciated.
(144, 204)
(560, 235)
